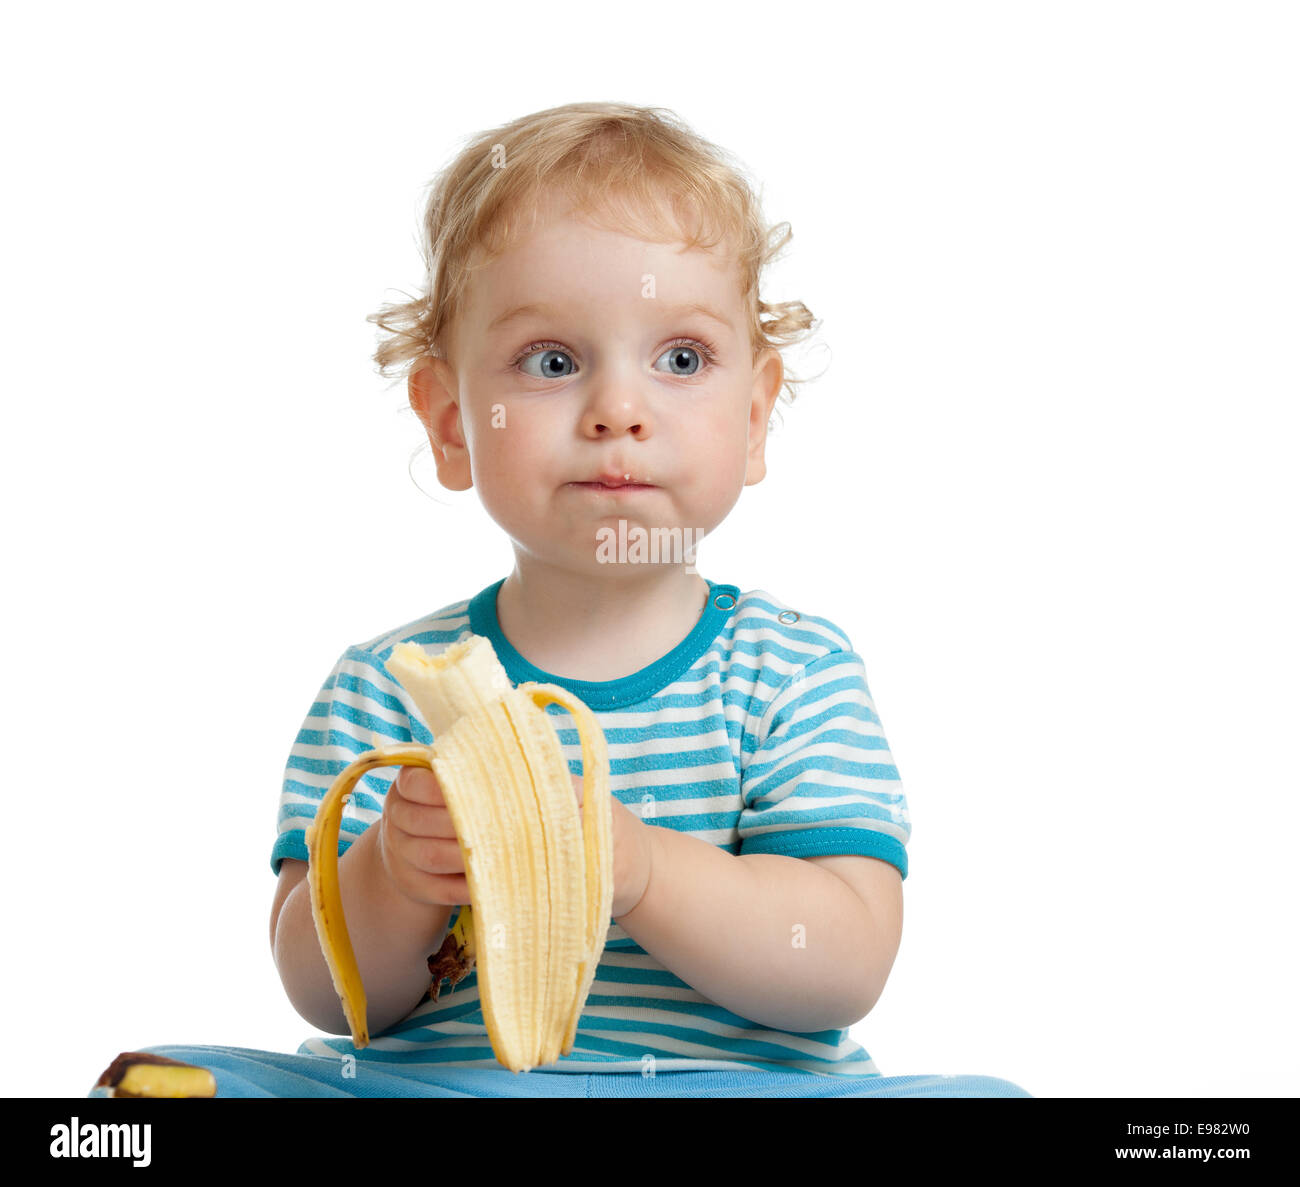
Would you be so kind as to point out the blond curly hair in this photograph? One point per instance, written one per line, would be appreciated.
(616, 163)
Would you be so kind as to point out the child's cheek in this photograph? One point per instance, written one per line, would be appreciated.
(516, 465)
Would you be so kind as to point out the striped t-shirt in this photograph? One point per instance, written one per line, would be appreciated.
(756, 733)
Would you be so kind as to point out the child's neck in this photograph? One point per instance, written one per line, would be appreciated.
(566, 624)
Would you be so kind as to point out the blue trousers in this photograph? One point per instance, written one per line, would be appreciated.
(244, 1072)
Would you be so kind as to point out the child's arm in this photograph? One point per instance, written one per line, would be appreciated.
(731, 927)
(391, 934)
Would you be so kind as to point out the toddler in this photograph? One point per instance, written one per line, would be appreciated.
(592, 357)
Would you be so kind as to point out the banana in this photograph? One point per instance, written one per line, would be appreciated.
(141, 1073)
(540, 875)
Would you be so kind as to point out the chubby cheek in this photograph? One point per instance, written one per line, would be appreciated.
(715, 472)
(509, 452)
(718, 489)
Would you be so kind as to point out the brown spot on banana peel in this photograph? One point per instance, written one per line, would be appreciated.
(455, 959)
(450, 962)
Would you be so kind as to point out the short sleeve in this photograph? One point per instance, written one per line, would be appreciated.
(821, 779)
(358, 707)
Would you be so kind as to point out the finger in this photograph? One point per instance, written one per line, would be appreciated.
(577, 786)
(455, 886)
(430, 855)
(422, 820)
(446, 889)
(419, 784)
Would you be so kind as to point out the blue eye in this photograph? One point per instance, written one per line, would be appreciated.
(688, 356)
(552, 364)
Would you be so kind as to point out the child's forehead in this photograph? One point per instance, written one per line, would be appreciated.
(570, 248)
(570, 252)
(568, 270)
(608, 217)
(566, 252)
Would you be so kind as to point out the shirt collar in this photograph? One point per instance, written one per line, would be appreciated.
(609, 694)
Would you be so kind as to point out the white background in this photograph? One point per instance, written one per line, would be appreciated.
(1046, 483)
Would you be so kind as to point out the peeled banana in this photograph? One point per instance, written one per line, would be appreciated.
(540, 877)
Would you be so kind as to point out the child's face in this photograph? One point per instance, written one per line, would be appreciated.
(622, 385)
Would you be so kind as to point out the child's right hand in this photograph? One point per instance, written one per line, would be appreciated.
(417, 841)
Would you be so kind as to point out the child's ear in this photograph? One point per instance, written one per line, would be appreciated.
(768, 374)
(430, 389)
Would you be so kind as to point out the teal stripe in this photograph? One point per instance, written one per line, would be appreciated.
(382, 647)
(666, 761)
(720, 788)
(752, 620)
(616, 735)
(782, 815)
(828, 842)
(844, 737)
(481, 1050)
(714, 1046)
(293, 843)
(359, 798)
(796, 650)
(640, 1034)
(460, 1005)
(338, 739)
(758, 769)
(847, 696)
(771, 776)
(360, 686)
(361, 719)
(703, 1011)
(819, 783)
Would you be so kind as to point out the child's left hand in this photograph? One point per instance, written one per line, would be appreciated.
(632, 853)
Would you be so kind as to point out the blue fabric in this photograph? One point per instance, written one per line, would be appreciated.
(244, 1072)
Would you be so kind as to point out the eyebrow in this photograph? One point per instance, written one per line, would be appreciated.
(544, 310)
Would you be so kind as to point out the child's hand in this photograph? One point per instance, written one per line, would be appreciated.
(633, 853)
(422, 858)
(417, 841)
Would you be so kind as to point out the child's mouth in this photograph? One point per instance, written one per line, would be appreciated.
(624, 487)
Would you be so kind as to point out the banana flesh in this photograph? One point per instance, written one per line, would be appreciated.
(141, 1073)
(540, 875)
